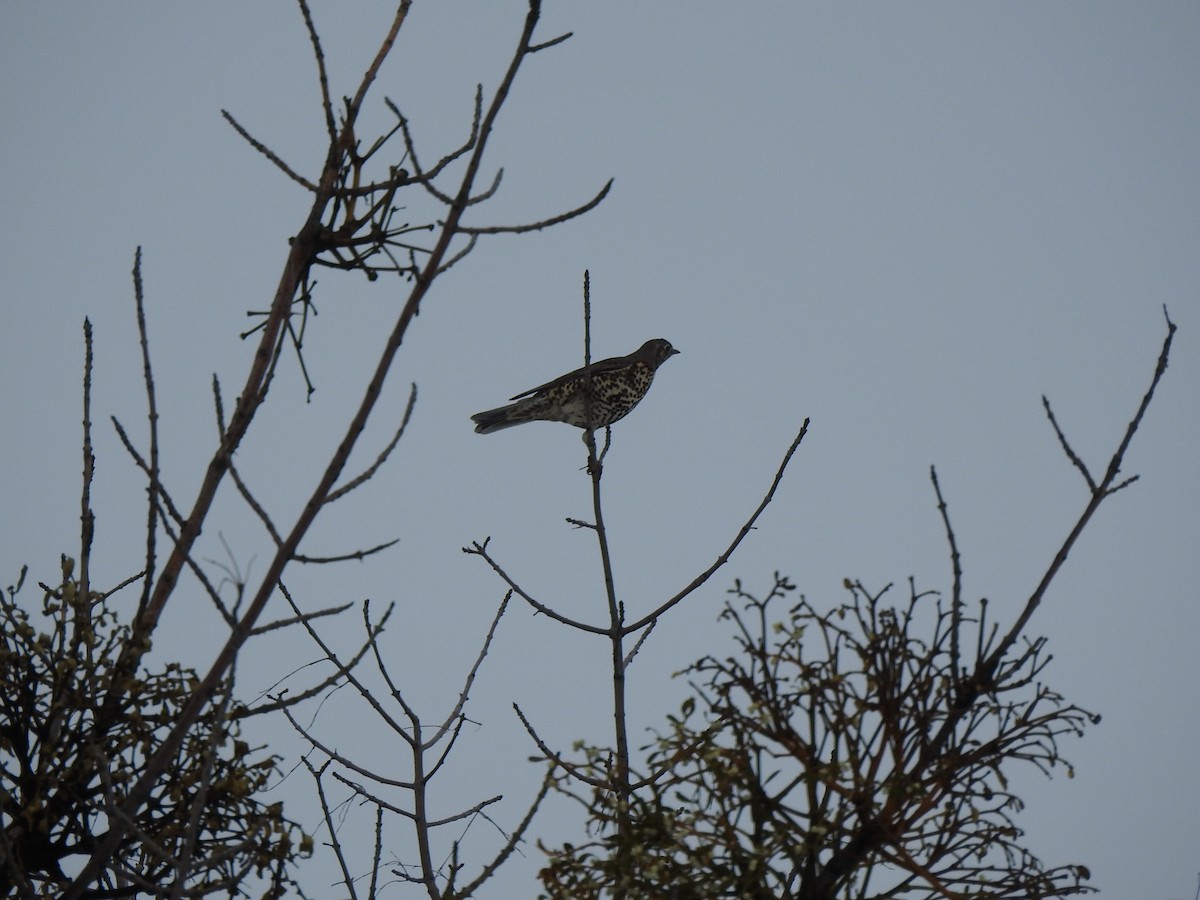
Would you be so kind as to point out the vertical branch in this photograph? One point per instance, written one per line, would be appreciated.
(152, 489)
(616, 613)
(385, 49)
(376, 855)
(588, 437)
(420, 812)
(87, 519)
(956, 567)
(322, 75)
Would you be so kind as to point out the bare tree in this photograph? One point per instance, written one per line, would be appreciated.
(126, 781)
(107, 765)
(428, 745)
(859, 751)
(63, 768)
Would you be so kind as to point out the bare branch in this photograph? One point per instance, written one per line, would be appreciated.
(425, 177)
(152, 471)
(121, 585)
(254, 504)
(345, 670)
(459, 256)
(480, 550)
(1160, 369)
(465, 693)
(1102, 490)
(142, 464)
(332, 203)
(741, 535)
(510, 845)
(489, 191)
(638, 644)
(87, 519)
(288, 699)
(956, 602)
(337, 757)
(345, 557)
(327, 813)
(373, 69)
(304, 617)
(544, 223)
(545, 45)
(269, 153)
(382, 458)
(408, 814)
(1062, 440)
(557, 759)
(322, 75)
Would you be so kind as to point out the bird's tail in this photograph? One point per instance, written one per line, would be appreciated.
(495, 419)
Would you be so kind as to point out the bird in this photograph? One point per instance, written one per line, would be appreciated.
(618, 385)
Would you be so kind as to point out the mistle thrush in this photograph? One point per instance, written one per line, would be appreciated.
(618, 384)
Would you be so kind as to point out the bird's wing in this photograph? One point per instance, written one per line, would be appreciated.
(605, 365)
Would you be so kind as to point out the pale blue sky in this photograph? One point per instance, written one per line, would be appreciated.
(906, 221)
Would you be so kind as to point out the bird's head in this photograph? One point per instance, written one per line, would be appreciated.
(655, 352)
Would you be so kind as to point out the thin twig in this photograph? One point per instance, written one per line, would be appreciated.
(170, 508)
(741, 535)
(465, 693)
(638, 643)
(543, 223)
(984, 674)
(333, 754)
(513, 841)
(545, 45)
(345, 670)
(357, 555)
(335, 844)
(1062, 440)
(304, 617)
(382, 458)
(152, 471)
(322, 75)
(480, 550)
(956, 568)
(574, 771)
(87, 519)
(269, 153)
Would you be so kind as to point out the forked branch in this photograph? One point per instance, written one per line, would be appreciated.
(334, 194)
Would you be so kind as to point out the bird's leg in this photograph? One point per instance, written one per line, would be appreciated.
(593, 466)
(607, 443)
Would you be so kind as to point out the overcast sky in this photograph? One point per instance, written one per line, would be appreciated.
(905, 221)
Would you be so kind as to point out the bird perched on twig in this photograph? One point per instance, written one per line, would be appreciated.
(618, 385)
